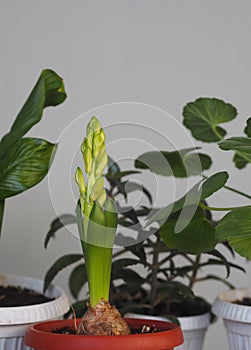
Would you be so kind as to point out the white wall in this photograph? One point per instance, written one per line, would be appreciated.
(160, 53)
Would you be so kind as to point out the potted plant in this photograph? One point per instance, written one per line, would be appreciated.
(102, 326)
(24, 162)
(188, 243)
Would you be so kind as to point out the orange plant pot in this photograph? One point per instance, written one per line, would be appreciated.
(40, 337)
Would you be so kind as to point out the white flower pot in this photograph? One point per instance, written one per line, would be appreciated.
(15, 320)
(193, 327)
(236, 318)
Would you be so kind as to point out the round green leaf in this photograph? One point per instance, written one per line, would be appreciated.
(235, 228)
(203, 116)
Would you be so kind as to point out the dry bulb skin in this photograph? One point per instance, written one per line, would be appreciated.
(103, 319)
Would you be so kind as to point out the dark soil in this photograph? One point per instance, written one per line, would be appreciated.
(144, 329)
(17, 296)
(244, 301)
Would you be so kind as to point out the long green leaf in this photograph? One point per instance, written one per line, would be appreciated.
(58, 223)
(48, 91)
(25, 164)
(203, 117)
(59, 265)
(235, 228)
(77, 280)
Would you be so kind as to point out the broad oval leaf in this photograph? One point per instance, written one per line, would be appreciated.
(182, 163)
(203, 116)
(235, 228)
(26, 163)
(197, 237)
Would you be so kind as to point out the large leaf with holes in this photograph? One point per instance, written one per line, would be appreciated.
(203, 117)
(25, 164)
(182, 163)
(235, 228)
(196, 194)
(198, 235)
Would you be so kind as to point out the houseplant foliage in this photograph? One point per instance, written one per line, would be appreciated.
(24, 161)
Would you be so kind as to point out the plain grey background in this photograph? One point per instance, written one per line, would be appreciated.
(160, 53)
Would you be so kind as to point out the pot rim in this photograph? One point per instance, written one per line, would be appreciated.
(40, 337)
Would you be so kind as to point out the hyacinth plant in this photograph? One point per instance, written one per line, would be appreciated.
(97, 222)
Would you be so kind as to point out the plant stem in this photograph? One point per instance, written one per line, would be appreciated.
(203, 206)
(238, 192)
(154, 269)
(195, 270)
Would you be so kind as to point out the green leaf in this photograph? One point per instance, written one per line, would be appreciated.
(79, 307)
(203, 116)
(120, 264)
(77, 280)
(247, 129)
(59, 265)
(193, 197)
(197, 237)
(25, 164)
(58, 223)
(182, 163)
(235, 228)
(48, 91)
(242, 146)
(127, 187)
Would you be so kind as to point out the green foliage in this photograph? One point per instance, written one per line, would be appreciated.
(203, 117)
(24, 162)
(183, 163)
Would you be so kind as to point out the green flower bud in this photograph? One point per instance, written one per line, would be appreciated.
(97, 188)
(88, 160)
(79, 177)
(101, 162)
(94, 124)
(102, 198)
(98, 142)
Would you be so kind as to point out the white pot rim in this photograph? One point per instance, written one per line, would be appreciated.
(224, 307)
(33, 313)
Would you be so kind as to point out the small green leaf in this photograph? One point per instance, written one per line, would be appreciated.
(242, 146)
(25, 164)
(247, 129)
(213, 184)
(59, 265)
(203, 116)
(235, 228)
(197, 237)
(120, 264)
(77, 280)
(182, 163)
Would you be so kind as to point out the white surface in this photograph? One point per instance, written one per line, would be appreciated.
(162, 53)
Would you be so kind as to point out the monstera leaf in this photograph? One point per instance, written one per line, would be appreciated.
(235, 228)
(182, 163)
(203, 117)
(24, 162)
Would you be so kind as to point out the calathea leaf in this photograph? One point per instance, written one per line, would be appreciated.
(203, 117)
(25, 164)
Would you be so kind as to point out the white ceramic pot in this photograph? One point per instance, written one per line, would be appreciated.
(15, 320)
(236, 318)
(193, 327)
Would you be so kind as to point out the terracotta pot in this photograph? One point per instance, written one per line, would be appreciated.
(39, 336)
(15, 320)
(193, 327)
